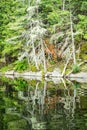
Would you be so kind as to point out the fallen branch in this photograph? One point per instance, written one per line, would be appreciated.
(66, 65)
(64, 46)
(78, 66)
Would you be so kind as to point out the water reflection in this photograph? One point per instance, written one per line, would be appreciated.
(36, 105)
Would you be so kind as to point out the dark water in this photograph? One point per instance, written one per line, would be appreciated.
(42, 105)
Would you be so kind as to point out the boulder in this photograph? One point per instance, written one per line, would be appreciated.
(79, 77)
(11, 72)
(56, 72)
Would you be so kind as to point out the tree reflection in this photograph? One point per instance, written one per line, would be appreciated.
(40, 105)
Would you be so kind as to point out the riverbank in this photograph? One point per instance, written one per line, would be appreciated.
(79, 77)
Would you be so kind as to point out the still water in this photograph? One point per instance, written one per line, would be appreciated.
(42, 105)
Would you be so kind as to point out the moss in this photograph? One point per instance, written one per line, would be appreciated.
(83, 53)
(33, 69)
(83, 68)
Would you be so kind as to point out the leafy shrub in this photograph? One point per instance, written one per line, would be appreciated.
(53, 17)
(76, 68)
(81, 26)
(76, 85)
(21, 65)
(20, 84)
(6, 68)
(58, 17)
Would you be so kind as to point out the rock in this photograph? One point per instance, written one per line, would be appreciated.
(48, 74)
(16, 74)
(9, 72)
(10, 76)
(56, 73)
(56, 80)
(80, 80)
(79, 75)
(32, 77)
(39, 74)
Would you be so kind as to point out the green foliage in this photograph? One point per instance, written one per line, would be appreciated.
(12, 49)
(6, 68)
(52, 62)
(53, 17)
(11, 25)
(7, 8)
(76, 85)
(48, 6)
(82, 25)
(85, 35)
(20, 84)
(6, 80)
(84, 6)
(21, 65)
(58, 17)
(76, 68)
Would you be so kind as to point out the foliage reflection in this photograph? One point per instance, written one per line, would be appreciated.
(35, 105)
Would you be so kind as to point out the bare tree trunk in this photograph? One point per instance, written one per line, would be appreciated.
(66, 65)
(72, 38)
(64, 46)
(63, 4)
(35, 59)
(44, 59)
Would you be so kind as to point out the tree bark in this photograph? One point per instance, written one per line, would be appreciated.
(72, 38)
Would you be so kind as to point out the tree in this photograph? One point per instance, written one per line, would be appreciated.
(33, 37)
(11, 28)
(26, 24)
